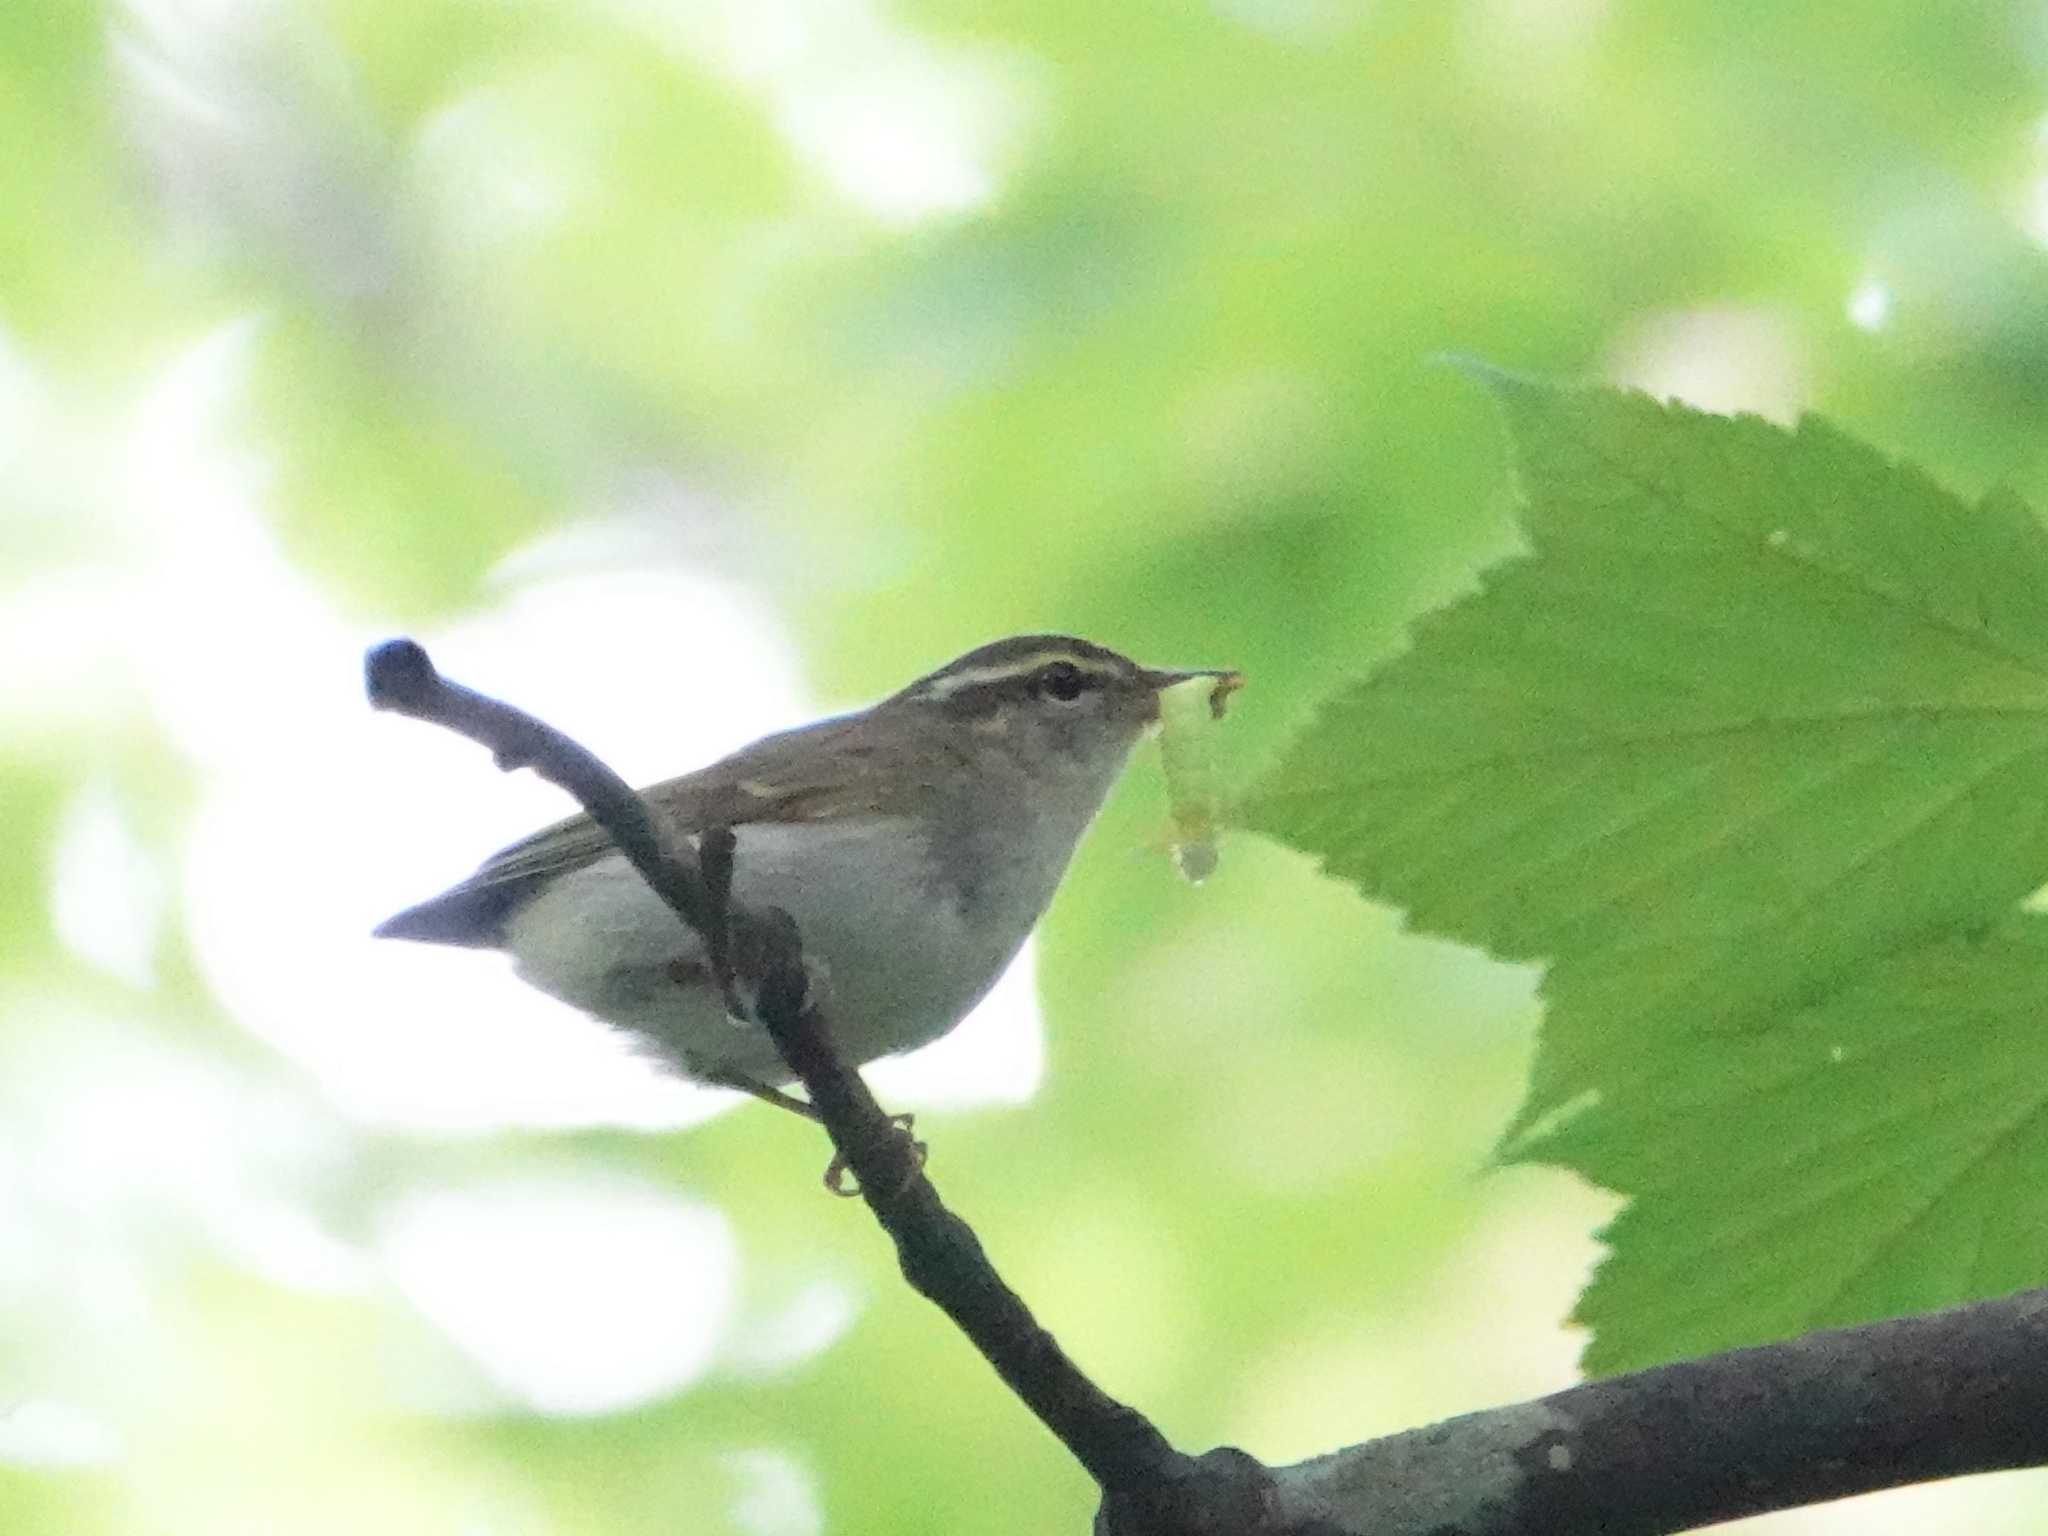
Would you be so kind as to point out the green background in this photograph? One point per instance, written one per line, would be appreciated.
(912, 327)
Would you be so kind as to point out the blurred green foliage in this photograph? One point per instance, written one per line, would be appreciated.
(925, 324)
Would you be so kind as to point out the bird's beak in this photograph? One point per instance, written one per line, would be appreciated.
(1223, 685)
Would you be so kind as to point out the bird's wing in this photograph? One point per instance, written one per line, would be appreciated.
(780, 778)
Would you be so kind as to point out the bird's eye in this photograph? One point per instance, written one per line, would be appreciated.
(1063, 680)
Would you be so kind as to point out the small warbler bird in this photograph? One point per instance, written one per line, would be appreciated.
(915, 843)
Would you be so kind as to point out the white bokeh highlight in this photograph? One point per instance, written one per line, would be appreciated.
(46, 1434)
(572, 1295)
(1869, 306)
(901, 127)
(123, 1159)
(775, 1494)
(1726, 358)
(106, 892)
(786, 1336)
(446, 1039)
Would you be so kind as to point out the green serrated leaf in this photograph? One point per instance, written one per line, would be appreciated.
(1758, 710)
(1741, 720)
(1879, 1154)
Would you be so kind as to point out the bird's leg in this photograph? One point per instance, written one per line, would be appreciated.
(836, 1170)
(763, 1092)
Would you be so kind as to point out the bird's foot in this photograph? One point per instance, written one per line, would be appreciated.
(836, 1171)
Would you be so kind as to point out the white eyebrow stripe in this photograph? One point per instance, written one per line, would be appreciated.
(974, 677)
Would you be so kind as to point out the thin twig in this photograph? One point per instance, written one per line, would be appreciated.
(1144, 1480)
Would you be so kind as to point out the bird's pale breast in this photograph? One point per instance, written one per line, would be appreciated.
(902, 964)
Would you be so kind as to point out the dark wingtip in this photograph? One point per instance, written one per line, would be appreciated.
(402, 925)
(392, 928)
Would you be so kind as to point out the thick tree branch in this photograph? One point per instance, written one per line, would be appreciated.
(1819, 1417)
(1815, 1418)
